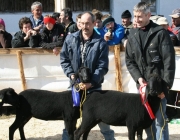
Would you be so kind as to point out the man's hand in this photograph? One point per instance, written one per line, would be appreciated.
(107, 36)
(84, 86)
(72, 76)
(1, 36)
(38, 27)
(28, 34)
(2, 41)
(33, 32)
(142, 82)
(125, 42)
(161, 95)
(56, 51)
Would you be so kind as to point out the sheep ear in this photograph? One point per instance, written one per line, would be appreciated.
(10, 92)
(1, 97)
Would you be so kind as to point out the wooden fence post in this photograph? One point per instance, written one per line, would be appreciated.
(21, 68)
(117, 59)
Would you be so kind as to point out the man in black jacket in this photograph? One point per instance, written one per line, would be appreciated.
(77, 26)
(66, 19)
(52, 35)
(26, 37)
(150, 50)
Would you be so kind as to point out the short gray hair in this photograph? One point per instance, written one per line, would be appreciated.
(35, 4)
(142, 7)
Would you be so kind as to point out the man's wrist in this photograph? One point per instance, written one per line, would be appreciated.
(92, 84)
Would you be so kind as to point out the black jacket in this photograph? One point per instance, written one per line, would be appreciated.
(67, 29)
(157, 55)
(7, 39)
(18, 40)
(52, 38)
(73, 28)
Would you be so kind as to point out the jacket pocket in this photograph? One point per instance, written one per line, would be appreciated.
(154, 55)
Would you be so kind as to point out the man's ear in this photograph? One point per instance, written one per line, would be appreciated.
(94, 23)
(66, 17)
(149, 14)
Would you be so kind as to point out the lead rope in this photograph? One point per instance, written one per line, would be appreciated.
(83, 98)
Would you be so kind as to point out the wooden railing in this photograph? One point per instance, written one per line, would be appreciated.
(117, 49)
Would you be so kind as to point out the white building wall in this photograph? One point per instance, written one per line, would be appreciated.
(164, 7)
(167, 6)
(119, 6)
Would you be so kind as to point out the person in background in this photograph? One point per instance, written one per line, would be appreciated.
(77, 26)
(26, 37)
(98, 22)
(134, 24)
(90, 50)
(66, 19)
(113, 33)
(164, 23)
(127, 24)
(56, 15)
(52, 35)
(175, 18)
(154, 18)
(172, 95)
(36, 17)
(5, 37)
(149, 50)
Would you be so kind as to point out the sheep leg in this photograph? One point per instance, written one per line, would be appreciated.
(139, 134)
(84, 129)
(21, 129)
(19, 122)
(131, 133)
(85, 135)
(70, 127)
(13, 128)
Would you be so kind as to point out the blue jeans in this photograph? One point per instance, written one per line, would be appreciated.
(104, 128)
(159, 128)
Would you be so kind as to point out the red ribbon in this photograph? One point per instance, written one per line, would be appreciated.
(145, 102)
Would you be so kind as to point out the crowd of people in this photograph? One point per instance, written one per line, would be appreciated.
(148, 40)
(50, 31)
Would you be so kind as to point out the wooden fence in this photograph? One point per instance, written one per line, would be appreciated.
(117, 49)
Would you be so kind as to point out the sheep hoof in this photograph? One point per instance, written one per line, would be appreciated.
(139, 137)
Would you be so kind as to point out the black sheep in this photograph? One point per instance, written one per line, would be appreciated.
(44, 105)
(114, 107)
(41, 104)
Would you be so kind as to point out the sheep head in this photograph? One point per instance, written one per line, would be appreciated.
(84, 75)
(154, 86)
(8, 95)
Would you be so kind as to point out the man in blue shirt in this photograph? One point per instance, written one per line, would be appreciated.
(36, 17)
(113, 32)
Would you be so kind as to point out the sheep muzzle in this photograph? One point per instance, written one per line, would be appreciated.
(84, 75)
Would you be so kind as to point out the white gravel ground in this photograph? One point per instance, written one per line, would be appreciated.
(52, 130)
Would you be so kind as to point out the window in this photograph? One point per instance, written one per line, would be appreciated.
(25, 5)
(88, 5)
